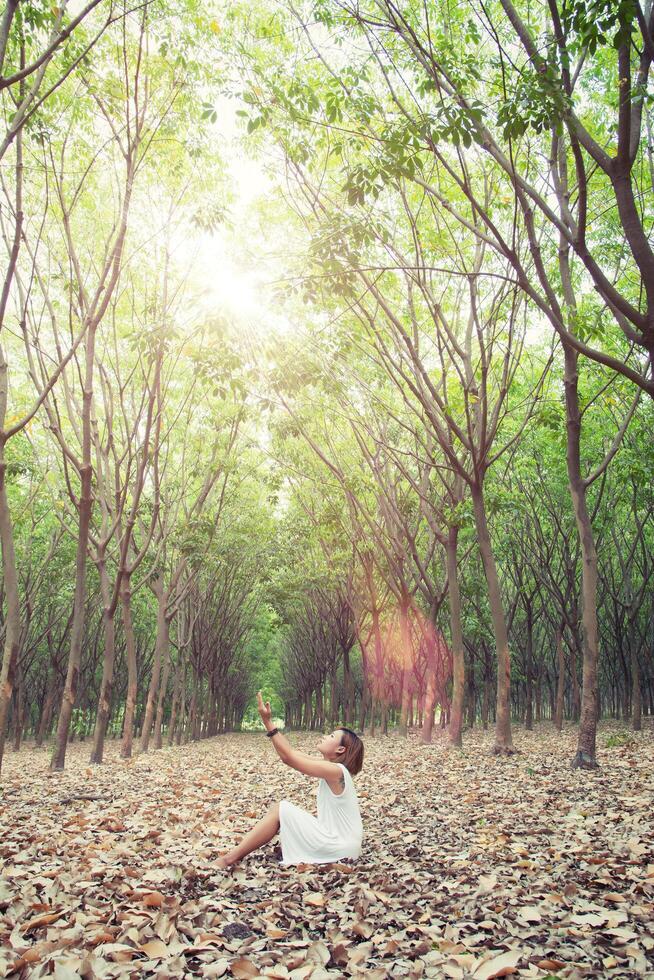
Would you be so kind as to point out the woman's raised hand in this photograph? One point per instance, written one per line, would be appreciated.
(265, 712)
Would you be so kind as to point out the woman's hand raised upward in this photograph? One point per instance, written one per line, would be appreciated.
(265, 712)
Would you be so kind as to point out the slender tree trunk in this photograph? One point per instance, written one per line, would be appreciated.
(333, 702)
(106, 685)
(366, 704)
(636, 693)
(430, 704)
(85, 508)
(79, 613)
(132, 670)
(158, 721)
(181, 725)
(503, 736)
(458, 660)
(194, 728)
(586, 744)
(10, 575)
(347, 687)
(407, 663)
(19, 710)
(46, 712)
(529, 657)
(560, 682)
(318, 713)
(177, 685)
(9, 569)
(160, 653)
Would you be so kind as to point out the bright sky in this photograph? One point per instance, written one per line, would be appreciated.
(236, 266)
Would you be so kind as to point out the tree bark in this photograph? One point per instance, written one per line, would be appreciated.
(46, 712)
(158, 721)
(586, 744)
(160, 652)
(132, 670)
(560, 681)
(458, 659)
(10, 574)
(503, 736)
(430, 704)
(407, 664)
(106, 685)
(79, 606)
(529, 658)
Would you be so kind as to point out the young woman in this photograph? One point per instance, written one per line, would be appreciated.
(337, 830)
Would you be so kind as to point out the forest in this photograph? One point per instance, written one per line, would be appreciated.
(326, 369)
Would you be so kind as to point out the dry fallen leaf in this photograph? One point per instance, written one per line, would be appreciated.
(499, 966)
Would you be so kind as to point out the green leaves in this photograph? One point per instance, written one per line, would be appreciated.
(594, 23)
(537, 103)
(209, 112)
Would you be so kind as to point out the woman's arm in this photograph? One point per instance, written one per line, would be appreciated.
(294, 758)
(307, 764)
(282, 745)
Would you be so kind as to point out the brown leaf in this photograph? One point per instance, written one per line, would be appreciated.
(154, 949)
(340, 954)
(243, 968)
(41, 920)
(315, 898)
(499, 966)
(363, 929)
(32, 955)
(153, 900)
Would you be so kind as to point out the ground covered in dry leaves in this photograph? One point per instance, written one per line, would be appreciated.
(473, 866)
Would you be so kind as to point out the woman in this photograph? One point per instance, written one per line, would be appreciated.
(337, 831)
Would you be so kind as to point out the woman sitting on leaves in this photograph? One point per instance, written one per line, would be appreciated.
(337, 831)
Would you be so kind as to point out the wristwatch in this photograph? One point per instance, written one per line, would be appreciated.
(273, 731)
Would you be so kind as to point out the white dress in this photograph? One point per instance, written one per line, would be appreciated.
(335, 833)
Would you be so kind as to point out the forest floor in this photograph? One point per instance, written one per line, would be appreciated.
(472, 866)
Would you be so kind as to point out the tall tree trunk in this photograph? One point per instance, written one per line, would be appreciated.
(19, 710)
(333, 700)
(636, 693)
(503, 736)
(576, 693)
(182, 710)
(560, 681)
(10, 575)
(106, 685)
(161, 700)
(9, 570)
(160, 652)
(46, 712)
(529, 658)
(193, 709)
(347, 688)
(77, 631)
(85, 509)
(430, 704)
(132, 668)
(177, 686)
(407, 663)
(586, 744)
(458, 659)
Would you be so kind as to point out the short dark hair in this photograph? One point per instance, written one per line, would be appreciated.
(353, 755)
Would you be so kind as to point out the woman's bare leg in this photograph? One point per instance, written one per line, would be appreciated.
(260, 834)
